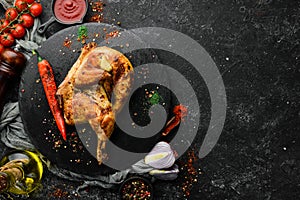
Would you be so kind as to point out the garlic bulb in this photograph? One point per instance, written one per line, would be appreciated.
(161, 156)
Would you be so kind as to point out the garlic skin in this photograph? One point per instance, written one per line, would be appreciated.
(161, 156)
(166, 174)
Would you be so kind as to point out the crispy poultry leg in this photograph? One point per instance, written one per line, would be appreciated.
(94, 107)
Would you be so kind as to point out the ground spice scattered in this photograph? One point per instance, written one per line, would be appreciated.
(190, 174)
(97, 18)
(57, 144)
(67, 43)
(136, 189)
(112, 34)
(59, 193)
(97, 8)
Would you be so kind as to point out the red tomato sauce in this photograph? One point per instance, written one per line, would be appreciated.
(68, 11)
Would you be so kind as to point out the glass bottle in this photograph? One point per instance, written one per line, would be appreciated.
(11, 65)
(20, 172)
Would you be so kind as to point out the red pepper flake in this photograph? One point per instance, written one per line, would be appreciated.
(97, 18)
(136, 189)
(97, 8)
(67, 43)
(59, 193)
(112, 34)
(191, 174)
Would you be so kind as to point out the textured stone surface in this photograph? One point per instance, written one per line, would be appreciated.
(255, 45)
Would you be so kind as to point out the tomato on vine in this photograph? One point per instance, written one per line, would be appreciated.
(29, 1)
(18, 31)
(7, 39)
(21, 5)
(17, 19)
(1, 47)
(36, 9)
(26, 20)
(11, 14)
(4, 23)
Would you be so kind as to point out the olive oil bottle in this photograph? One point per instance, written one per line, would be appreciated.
(20, 172)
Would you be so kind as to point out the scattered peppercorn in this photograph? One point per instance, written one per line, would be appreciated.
(136, 189)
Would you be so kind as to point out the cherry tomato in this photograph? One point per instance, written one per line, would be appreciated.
(21, 5)
(11, 14)
(26, 20)
(18, 31)
(1, 47)
(4, 25)
(7, 39)
(36, 9)
(29, 1)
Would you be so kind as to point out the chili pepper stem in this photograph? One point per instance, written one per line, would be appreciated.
(34, 52)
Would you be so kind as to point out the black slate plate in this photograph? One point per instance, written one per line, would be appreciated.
(39, 123)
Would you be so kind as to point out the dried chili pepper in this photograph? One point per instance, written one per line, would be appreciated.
(180, 112)
(47, 77)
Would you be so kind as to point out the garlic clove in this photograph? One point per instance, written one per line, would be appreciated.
(161, 156)
(165, 174)
(155, 157)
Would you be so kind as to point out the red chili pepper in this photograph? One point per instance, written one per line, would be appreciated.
(47, 77)
(180, 112)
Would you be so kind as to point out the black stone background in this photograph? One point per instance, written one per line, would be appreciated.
(255, 45)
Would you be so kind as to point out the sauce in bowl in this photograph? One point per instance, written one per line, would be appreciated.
(69, 11)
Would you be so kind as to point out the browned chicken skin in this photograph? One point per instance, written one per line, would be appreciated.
(99, 75)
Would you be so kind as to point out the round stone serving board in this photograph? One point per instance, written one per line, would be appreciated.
(62, 50)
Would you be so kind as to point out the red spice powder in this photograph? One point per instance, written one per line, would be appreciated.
(180, 111)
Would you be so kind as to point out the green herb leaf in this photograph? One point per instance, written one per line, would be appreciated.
(82, 32)
(155, 99)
